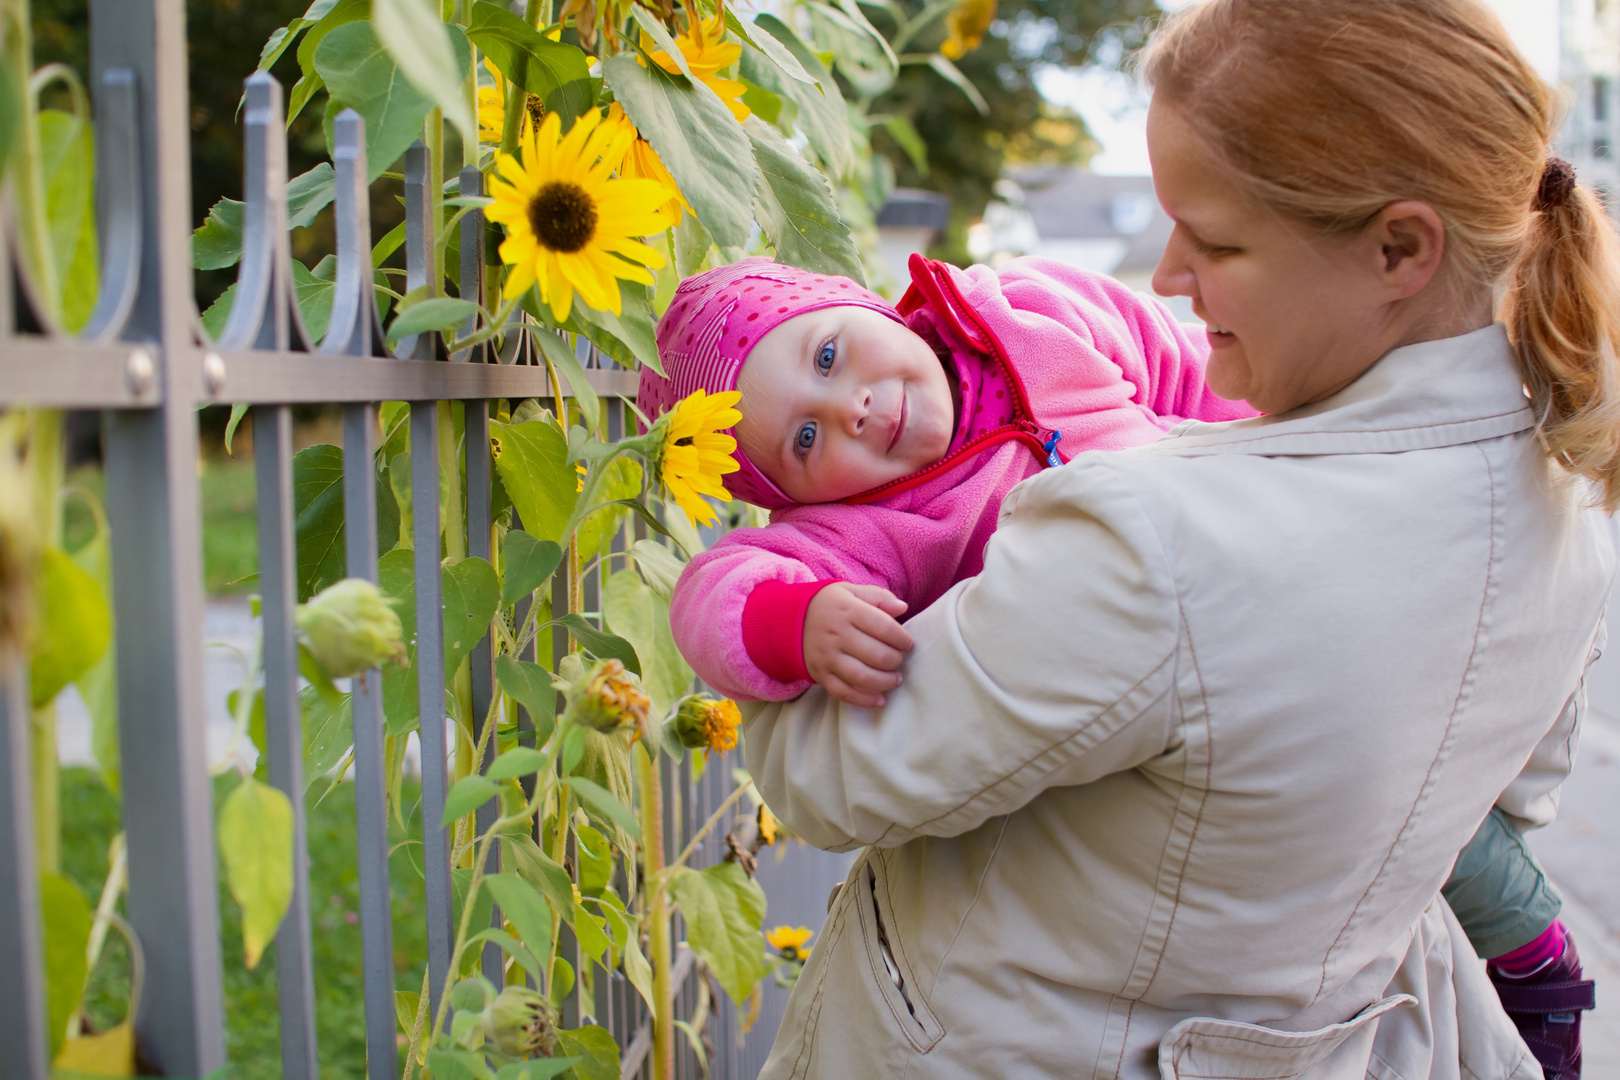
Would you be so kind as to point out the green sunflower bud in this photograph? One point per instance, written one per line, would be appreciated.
(608, 698)
(521, 1023)
(351, 626)
(704, 723)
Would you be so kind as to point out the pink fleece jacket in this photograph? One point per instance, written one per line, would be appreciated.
(1052, 361)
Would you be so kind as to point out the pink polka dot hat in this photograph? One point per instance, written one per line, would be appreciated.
(713, 321)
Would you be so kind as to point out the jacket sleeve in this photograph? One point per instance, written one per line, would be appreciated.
(711, 599)
(1053, 667)
(1162, 359)
(1532, 799)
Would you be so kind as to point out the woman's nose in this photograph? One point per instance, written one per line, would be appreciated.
(1173, 277)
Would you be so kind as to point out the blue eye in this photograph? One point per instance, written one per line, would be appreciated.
(825, 357)
(805, 439)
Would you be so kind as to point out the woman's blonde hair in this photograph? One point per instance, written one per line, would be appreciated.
(1330, 110)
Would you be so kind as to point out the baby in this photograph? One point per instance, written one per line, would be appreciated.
(883, 440)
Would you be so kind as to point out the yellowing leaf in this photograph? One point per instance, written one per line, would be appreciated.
(256, 843)
(66, 916)
(109, 1053)
(75, 624)
(723, 909)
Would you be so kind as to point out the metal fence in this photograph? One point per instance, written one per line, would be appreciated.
(145, 361)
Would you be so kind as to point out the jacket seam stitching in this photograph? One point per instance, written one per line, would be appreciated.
(977, 892)
(1464, 689)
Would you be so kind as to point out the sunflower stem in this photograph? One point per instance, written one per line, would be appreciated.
(658, 914)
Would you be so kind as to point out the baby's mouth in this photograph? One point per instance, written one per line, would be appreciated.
(899, 425)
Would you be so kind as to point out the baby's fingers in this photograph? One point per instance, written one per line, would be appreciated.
(862, 676)
(880, 598)
(841, 690)
(881, 627)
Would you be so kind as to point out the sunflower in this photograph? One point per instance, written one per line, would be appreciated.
(707, 52)
(790, 941)
(643, 163)
(569, 225)
(966, 25)
(695, 454)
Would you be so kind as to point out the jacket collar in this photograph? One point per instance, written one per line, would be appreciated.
(1418, 397)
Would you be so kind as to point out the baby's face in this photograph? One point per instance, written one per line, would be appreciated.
(841, 400)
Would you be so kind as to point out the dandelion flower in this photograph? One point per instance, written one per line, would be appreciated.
(570, 226)
(790, 941)
(695, 453)
(966, 25)
(707, 52)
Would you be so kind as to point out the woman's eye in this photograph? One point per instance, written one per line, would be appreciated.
(805, 439)
(825, 357)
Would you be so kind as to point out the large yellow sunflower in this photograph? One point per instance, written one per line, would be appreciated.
(695, 454)
(571, 226)
(707, 52)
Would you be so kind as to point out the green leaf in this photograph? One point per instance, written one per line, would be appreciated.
(217, 243)
(595, 1047)
(639, 971)
(778, 53)
(523, 907)
(256, 846)
(328, 731)
(514, 948)
(360, 74)
(659, 566)
(529, 564)
(623, 483)
(593, 939)
(537, 868)
(314, 290)
(953, 75)
(74, 627)
(558, 72)
(309, 193)
(67, 166)
(595, 797)
(561, 357)
(516, 762)
(692, 244)
(698, 139)
(536, 1069)
(724, 909)
(532, 459)
(641, 617)
(530, 686)
(472, 594)
(66, 918)
(396, 577)
(823, 115)
(405, 1005)
(796, 208)
(906, 136)
(595, 860)
(424, 47)
(441, 313)
(458, 1064)
(467, 795)
(598, 644)
(633, 329)
(764, 104)
(318, 517)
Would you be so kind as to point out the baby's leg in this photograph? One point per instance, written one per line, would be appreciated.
(1509, 910)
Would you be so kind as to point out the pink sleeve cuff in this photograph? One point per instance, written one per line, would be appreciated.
(773, 627)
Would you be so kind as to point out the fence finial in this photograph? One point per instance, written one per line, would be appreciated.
(355, 329)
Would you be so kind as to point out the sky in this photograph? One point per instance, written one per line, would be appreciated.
(1115, 107)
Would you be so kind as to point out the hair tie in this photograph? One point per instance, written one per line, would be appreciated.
(1557, 182)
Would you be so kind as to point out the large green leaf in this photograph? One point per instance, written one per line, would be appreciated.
(256, 845)
(634, 326)
(601, 645)
(641, 617)
(797, 210)
(623, 481)
(698, 139)
(314, 290)
(318, 517)
(558, 72)
(560, 355)
(440, 313)
(328, 731)
(724, 909)
(66, 918)
(536, 867)
(823, 116)
(523, 907)
(311, 83)
(396, 576)
(74, 627)
(283, 38)
(217, 243)
(425, 48)
(472, 594)
(527, 564)
(530, 686)
(532, 459)
(361, 75)
(595, 1047)
(659, 566)
(67, 165)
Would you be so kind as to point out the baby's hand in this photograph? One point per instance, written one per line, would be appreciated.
(853, 644)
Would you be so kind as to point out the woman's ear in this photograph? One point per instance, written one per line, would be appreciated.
(1411, 242)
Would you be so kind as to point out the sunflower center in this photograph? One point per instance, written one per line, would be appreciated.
(563, 216)
(537, 109)
(684, 440)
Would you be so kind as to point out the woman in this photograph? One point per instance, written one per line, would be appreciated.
(1171, 787)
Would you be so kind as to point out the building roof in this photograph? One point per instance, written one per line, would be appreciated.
(1069, 203)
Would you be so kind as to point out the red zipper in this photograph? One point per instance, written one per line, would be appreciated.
(1026, 430)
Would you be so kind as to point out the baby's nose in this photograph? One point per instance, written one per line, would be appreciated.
(858, 411)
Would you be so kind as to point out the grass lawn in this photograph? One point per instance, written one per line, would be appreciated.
(90, 816)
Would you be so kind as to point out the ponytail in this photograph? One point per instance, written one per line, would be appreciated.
(1562, 310)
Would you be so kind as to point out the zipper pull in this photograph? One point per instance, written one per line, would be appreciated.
(1052, 459)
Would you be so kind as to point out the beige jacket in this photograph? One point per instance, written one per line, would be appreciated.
(1170, 788)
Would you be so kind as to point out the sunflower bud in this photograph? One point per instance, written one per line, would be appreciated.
(608, 698)
(351, 626)
(521, 1023)
(704, 723)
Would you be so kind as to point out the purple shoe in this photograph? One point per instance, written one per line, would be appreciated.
(1546, 1007)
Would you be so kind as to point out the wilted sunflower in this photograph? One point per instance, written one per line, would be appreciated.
(694, 454)
(570, 225)
(707, 52)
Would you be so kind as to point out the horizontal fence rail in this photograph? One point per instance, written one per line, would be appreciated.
(147, 362)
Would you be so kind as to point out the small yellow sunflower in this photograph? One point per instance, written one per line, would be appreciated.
(571, 226)
(707, 52)
(966, 25)
(695, 454)
(790, 941)
(768, 828)
(643, 163)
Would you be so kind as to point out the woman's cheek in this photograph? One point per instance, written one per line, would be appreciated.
(1228, 373)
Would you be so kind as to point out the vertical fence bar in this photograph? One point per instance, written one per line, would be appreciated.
(283, 727)
(152, 505)
(430, 689)
(370, 769)
(22, 992)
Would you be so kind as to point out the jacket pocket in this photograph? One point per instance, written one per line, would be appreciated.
(886, 958)
(1204, 1048)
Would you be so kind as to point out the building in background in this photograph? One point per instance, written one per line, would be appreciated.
(907, 225)
(1589, 69)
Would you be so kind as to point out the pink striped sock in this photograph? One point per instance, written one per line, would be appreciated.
(1528, 959)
